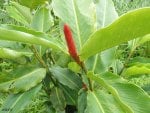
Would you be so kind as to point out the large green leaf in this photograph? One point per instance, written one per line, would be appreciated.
(12, 54)
(67, 77)
(23, 83)
(105, 15)
(14, 35)
(26, 30)
(129, 97)
(129, 26)
(102, 102)
(42, 20)
(16, 102)
(79, 15)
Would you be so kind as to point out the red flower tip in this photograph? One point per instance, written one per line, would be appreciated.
(71, 44)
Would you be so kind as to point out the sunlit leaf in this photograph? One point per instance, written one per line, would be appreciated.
(16, 102)
(23, 83)
(123, 93)
(129, 26)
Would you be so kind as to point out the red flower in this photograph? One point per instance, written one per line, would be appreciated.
(71, 44)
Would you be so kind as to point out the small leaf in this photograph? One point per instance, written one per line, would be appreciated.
(23, 83)
(73, 66)
(16, 102)
(58, 100)
(71, 96)
(82, 101)
(144, 39)
(138, 69)
(67, 77)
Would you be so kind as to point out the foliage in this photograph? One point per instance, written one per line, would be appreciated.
(110, 74)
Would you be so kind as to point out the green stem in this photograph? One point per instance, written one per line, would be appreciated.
(85, 71)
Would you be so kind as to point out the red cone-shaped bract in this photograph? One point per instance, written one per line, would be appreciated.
(71, 44)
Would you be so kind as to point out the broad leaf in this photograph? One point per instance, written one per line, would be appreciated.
(105, 15)
(26, 30)
(67, 77)
(102, 102)
(74, 13)
(42, 20)
(12, 54)
(16, 102)
(57, 99)
(123, 92)
(14, 35)
(23, 83)
(129, 26)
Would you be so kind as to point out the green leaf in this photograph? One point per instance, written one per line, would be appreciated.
(12, 12)
(71, 96)
(24, 11)
(74, 13)
(123, 92)
(129, 26)
(41, 20)
(82, 101)
(137, 60)
(14, 35)
(23, 83)
(12, 54)
(20, 13)
(73, 66)
(67, 77)
(101, 102)
(138, 69)
(57, 99)
(143, 39)
(16, 102)
(32, 3)
(26, 30)
(105, 15)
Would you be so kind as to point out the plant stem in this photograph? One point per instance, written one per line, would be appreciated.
(34, 50)
(85, 71)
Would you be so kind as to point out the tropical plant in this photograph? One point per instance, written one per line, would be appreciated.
(68, 48)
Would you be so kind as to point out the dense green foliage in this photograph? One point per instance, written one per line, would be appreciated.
(38, 75)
